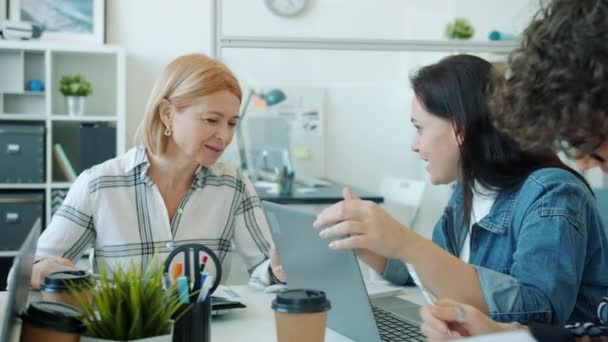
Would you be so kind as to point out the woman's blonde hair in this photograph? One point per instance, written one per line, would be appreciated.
(181, 82)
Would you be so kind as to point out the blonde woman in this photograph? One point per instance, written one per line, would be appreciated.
(169, 190)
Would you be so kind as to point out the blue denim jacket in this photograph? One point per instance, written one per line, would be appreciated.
(541, 254)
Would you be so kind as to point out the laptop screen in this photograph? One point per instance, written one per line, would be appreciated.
(19, 282)
(310, 263)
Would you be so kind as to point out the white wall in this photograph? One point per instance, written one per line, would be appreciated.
(387, 19)
(368, 107)
(152, 37)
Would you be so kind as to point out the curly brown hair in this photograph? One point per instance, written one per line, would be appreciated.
(556, 89)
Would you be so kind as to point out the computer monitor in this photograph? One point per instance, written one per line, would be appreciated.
(19, 283)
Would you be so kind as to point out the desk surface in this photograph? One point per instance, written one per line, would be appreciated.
(318, 195)
(256, 322)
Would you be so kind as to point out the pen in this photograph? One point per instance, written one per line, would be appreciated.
(430, 298)
(205, 287)
(166, 282)
(203, 278)
(203, 263)
(178, 268)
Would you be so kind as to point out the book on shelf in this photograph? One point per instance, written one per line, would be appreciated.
(64, 163)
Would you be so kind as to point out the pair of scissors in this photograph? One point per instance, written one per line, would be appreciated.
(193, 252)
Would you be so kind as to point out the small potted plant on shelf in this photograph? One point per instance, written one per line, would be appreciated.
(75, 88)
(128, 305)
(460, 28)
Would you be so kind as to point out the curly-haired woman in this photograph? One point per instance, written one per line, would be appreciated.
(556, 93)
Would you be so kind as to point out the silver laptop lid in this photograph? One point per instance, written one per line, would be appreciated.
(19, 282)
(310, 263)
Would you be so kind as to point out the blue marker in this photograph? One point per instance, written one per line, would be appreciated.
(183, 289)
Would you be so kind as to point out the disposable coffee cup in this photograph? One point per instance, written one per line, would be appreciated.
(50, 321)
(301, 315)
(55, 287)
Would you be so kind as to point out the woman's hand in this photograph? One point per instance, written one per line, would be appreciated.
(447, 319)
(46, 266)
(275, 265)
(364, 225)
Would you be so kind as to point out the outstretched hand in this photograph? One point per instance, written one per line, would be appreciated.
(362, 225)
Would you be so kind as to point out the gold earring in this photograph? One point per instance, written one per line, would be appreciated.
(168, 132)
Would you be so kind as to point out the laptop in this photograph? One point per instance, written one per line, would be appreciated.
(310, 263)
(19, 284)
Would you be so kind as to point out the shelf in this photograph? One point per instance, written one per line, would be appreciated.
(25, 93)
(61, 185)
(41, 46)
(369, 44)
(8, 253)
(84, 118)
(23, 102)
(25, 117)
(22, 186)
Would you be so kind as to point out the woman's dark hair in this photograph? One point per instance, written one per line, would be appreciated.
(457, 89)
(557, 84)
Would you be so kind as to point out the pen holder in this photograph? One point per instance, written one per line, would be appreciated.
(193, 322)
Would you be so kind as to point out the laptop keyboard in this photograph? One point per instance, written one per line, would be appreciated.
(394, 329)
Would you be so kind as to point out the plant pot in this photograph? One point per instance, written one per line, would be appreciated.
(162, 338)
(75, 105)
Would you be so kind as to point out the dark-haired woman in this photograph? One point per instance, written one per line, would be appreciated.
(557, 92)
(521, 238)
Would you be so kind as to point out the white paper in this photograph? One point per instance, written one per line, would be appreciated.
(519, 336)
(376, 289)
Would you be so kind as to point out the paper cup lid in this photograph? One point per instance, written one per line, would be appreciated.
(56, 281)
(54, 316)
(301, 301)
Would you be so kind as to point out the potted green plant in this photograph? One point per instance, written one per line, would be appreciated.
(75, 88)
(128, 305)
(460, 28)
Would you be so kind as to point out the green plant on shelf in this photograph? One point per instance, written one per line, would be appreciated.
(460, 28)
(75, 85)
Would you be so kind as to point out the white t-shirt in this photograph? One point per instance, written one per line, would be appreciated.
(483, 200)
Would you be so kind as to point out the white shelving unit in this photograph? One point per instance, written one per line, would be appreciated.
(103, 66)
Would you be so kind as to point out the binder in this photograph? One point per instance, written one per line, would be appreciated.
(64, 163)
(97, 144)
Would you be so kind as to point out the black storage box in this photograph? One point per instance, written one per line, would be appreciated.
(18, 213)
(97, 144)
(21, 154)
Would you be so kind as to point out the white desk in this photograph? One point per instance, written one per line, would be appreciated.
(256, 322)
